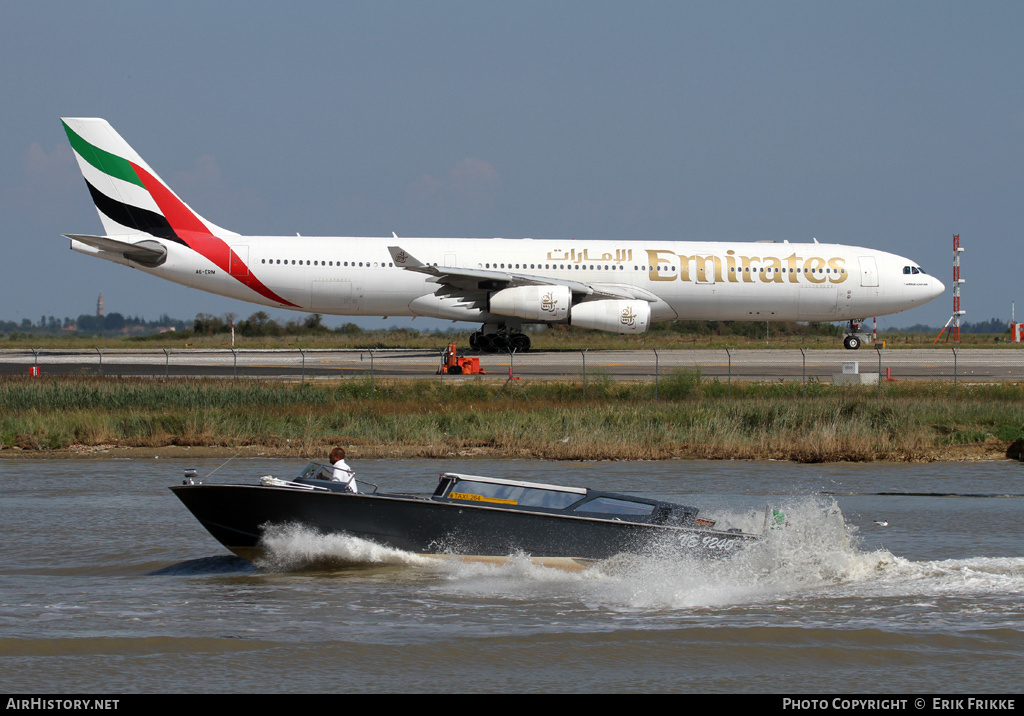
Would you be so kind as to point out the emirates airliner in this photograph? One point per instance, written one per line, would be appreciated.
(616, 286)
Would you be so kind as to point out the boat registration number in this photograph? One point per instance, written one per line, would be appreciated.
(479, 498)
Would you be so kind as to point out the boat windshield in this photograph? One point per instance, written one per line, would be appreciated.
(506, 494)
(315, 471)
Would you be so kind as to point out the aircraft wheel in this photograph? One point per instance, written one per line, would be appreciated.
(851, 343)
(519, 342)
(484, 342)
(473, 342)
(499, 342)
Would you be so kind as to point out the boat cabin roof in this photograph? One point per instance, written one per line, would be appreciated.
(515, 483)
(521, 495)
(575, 501)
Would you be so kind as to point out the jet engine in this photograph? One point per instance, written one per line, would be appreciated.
(614, 316)
(533, 303)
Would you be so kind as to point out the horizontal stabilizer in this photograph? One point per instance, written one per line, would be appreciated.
(148, 252)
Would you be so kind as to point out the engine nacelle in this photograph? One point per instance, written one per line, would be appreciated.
(614, 316)
(533, 303)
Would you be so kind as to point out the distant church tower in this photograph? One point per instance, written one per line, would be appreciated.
(99, 305)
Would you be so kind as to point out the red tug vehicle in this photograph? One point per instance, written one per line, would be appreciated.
(453, 365)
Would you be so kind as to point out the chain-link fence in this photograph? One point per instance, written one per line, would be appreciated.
(874, 366)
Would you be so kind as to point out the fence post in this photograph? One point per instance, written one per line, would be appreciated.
(371, 374)
(234, 367)
(100, 351)
(728, 352)
(878, 347)
(442, 371)
(803, 360)
(657, 367)
(303, 352)
(584, 354)
(167, 364)
(511, 383)
(955, 352)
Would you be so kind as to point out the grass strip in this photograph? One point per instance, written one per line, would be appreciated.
(691, 417)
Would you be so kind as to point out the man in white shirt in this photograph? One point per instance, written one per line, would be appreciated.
(342, 472)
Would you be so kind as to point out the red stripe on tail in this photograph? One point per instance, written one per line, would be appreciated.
(198, 237)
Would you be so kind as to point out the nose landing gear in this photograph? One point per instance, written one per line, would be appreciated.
(854, 336)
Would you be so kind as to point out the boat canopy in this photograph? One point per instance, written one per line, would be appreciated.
(576, 501)
(497, 491)
(516, 483)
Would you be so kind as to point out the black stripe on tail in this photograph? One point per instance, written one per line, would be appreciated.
(133, 217)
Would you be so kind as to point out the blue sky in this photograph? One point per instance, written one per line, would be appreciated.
(882, 124)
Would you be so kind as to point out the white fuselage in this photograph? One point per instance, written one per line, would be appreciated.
(680, 280)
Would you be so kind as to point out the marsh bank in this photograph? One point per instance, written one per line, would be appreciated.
(690, 418)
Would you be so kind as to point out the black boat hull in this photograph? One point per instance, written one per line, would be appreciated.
(238, 515)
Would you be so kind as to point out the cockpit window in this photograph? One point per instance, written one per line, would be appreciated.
(913, 270)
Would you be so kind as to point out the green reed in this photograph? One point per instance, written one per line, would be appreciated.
(684, 417)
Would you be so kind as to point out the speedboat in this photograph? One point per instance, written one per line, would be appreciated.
(467, 516)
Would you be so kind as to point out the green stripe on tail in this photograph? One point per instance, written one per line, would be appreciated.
(106, 162)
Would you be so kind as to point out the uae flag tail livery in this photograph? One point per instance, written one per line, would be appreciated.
(136, 207)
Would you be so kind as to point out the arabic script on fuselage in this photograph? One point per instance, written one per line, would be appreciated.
(667, 265)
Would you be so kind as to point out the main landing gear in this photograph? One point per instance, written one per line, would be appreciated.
(499, 341)
(854, 336)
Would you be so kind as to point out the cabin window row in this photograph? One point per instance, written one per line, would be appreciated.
(733, 269)
(555, 267)
(307, 262)
(762, 269)
(756, 269)
(662, 267)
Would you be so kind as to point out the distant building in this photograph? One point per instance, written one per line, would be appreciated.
(99, 306)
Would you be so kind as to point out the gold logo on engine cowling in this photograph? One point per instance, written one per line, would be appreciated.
(628, 317)
(549, 303)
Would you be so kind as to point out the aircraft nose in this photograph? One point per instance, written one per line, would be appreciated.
(937, 288)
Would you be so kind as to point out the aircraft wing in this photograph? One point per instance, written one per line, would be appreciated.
(463, 282)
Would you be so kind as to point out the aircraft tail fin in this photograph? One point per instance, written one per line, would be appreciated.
(139, 211)
(130, 198)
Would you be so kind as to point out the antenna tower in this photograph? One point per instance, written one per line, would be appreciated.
(955, 318)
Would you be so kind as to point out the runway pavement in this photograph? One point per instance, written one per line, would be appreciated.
(997, 364)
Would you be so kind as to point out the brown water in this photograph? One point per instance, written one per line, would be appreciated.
(108, 585)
